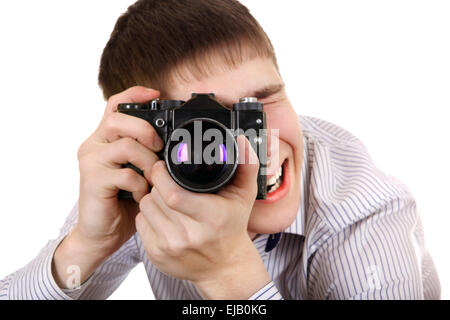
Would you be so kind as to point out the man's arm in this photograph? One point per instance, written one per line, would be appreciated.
(36, 282)
(379, 257)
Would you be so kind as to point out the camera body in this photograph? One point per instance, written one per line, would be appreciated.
(196, 116)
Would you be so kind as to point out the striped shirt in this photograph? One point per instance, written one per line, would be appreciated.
(357, 235)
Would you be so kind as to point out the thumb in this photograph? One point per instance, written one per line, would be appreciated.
(244, 183)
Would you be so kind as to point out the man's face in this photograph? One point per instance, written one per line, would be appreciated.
(260, 76)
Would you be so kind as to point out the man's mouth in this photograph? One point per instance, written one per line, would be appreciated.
(277, 185)
(275, 181)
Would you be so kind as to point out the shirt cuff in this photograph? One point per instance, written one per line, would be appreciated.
(268, 292)
(75, 293)
(47, 278)
(47, 281)
(72, 293)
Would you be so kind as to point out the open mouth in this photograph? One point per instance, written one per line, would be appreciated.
(278, 185)
(276, 180)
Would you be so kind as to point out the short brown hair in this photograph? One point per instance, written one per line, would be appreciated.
(155, 37)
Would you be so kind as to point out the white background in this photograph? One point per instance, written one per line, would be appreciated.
(380, 69)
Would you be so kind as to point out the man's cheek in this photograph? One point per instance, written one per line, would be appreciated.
(288, 126)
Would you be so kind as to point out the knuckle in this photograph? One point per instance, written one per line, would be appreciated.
(110, 123)
(145, 202)
(126, 144)
(128, 176)
(85, 163)
(173, 199)
(85, 147)
(140, 192)
(153, 172)
(217, 222)
(133, 89)
(173, 248)
(113, 98)
(156, 254)
(193, 239)
(112, 101)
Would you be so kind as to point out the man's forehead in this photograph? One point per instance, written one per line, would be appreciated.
(256, 77)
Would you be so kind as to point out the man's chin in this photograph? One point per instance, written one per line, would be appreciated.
(274, 217)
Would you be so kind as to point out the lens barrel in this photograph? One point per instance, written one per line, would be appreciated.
(202, 155)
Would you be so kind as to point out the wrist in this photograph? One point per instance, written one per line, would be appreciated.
(74, 253)
(76, 245)
(238, 280)
(80, 243)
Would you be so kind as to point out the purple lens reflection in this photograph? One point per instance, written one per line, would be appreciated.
(182, 154)
(223, 153)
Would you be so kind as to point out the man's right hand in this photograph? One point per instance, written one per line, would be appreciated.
(105, 223)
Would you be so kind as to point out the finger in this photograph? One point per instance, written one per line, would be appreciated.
(127, 150)
(147, 234)
(176, 217)
(137, 94)
(113, 180)
(174, 196)
(118, 125)
(145, 231)
(244, 184)
(155, 217)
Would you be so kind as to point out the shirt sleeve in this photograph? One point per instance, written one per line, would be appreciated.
(35, 281)
(268, 292)
(379, 257)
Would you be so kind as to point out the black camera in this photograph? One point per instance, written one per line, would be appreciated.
(201, 152)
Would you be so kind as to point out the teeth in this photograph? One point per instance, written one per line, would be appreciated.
(275, 182)
(275, 177)
(274, 187)
(272, 180)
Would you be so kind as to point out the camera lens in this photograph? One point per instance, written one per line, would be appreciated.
(201, 155)
(200, 173)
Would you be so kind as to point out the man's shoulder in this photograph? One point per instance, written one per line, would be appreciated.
(345, 185)
(327, 132)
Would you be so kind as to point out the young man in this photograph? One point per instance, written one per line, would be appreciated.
(334, 228)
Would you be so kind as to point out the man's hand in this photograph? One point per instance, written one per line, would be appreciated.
(203, 237)
(105, 223)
